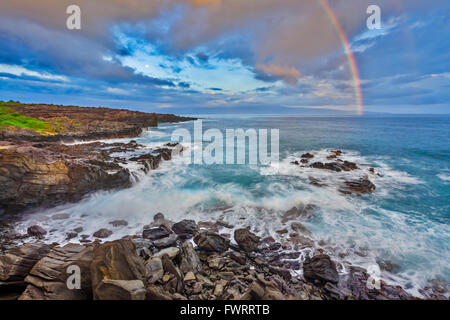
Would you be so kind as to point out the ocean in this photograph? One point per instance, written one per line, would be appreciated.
(405, 221)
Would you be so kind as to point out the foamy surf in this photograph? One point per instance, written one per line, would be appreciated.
(354, 229)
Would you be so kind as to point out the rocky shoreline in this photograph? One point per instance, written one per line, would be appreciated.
(185, 260)
(42, 170)
(168, 260)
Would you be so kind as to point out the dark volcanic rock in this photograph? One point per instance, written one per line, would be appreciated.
(166, 242)
(210, 241)
(307, 156)
(36, 231)
(362, 185)
(185, 228)
(336, 166)
(102, 233)
(320, 269)
(149, 161)
(155, 233)
(246, 239)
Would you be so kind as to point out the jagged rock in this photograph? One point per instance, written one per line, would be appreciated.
(116, 260)
(185, 228)
(155, 233)
(120, 290)
(17, 263)
(362, 185)
(48, 278)
(307, 156)
(190, 261)
(154, 269)
(169, 267)
(148, 161)
(102, 233)
(335, 166)
(37, 231)
(119, 223)
(246, 239)
(55, 174)
(320, 269)
(210, 241)
(166, 242)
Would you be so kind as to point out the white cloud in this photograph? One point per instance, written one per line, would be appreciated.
(21, 71)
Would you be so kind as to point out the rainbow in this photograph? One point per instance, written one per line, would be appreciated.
(348, 52)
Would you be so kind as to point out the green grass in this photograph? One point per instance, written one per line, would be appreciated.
(8, 117)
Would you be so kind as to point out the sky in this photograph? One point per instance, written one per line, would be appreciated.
(229, 56)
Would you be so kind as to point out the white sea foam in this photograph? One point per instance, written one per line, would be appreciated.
(444, 176)
(352, 228)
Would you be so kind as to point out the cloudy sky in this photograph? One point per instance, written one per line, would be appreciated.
(227, 56)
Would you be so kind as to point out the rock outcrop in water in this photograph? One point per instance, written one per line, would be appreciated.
(134, 268)
(347, 185)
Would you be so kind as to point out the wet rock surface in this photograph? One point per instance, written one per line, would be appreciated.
(213, 268)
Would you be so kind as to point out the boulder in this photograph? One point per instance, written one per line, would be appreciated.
(155, 233)
(247, 240)
(307, 156)
(120, 290)
(185, 228)
(116, 260)
(36, 231)
(48, 278)
(190, 262)
(320, 269)
(102, 233)
(17, 263)
(166, 242)
(362, 185)
(154, 269)
(210, 241)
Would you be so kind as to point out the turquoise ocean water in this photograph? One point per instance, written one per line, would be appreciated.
(405, 221)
